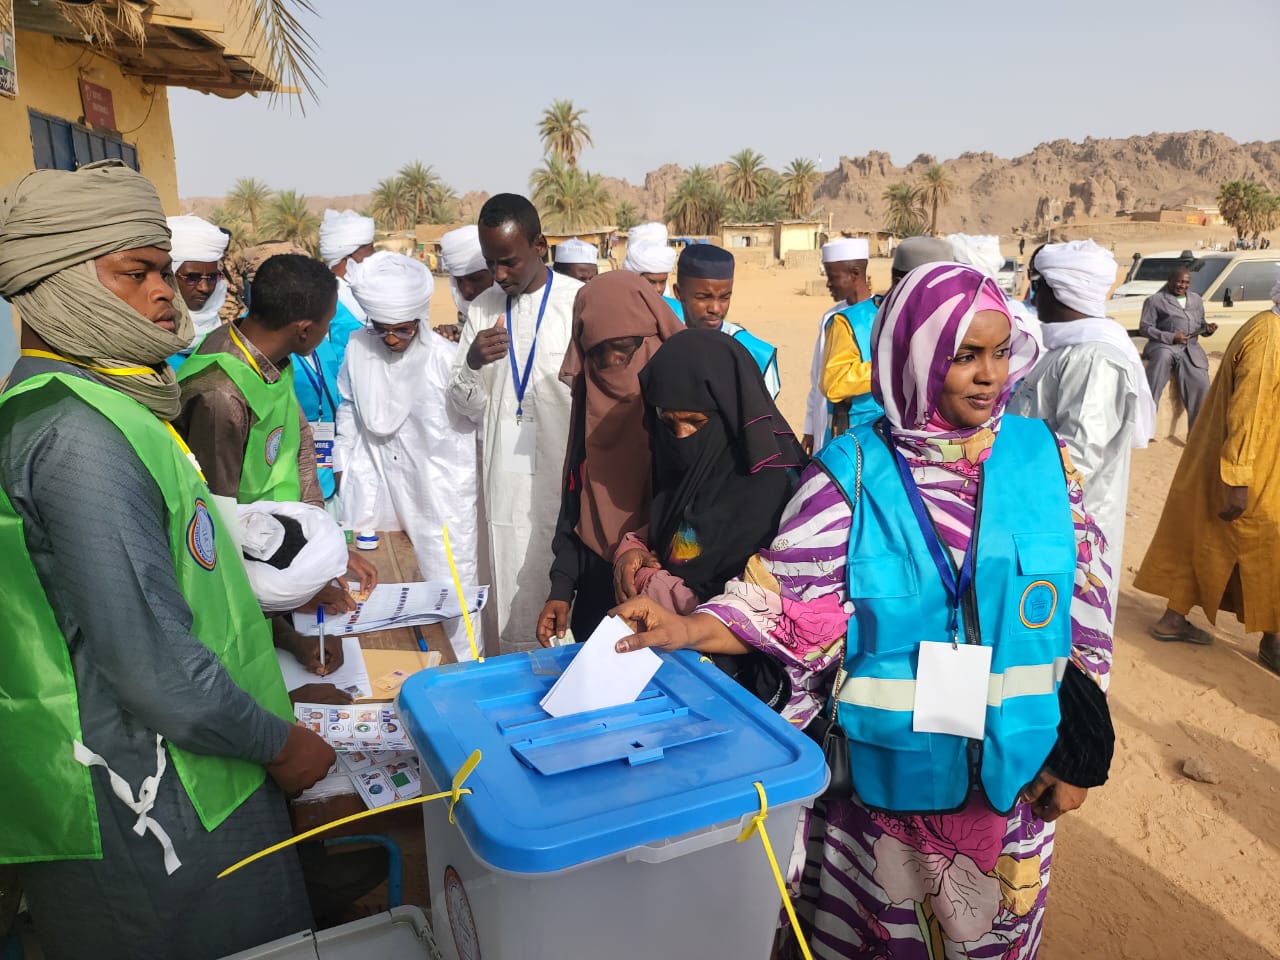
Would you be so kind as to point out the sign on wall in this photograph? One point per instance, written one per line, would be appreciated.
(8, 51)
(99, 109)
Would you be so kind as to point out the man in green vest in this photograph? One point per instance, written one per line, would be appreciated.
(241, 417)
(146, 740)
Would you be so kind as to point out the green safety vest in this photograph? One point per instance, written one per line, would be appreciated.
(47, 804)
(270, 470)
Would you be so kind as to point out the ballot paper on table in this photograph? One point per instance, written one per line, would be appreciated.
(599, 676)
(352, 677)
(391, 605)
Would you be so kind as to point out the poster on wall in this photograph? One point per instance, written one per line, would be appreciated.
(8, 51)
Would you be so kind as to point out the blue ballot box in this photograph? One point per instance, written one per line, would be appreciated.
(608, 834)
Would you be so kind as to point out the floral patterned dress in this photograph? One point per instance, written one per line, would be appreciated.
(875, 885)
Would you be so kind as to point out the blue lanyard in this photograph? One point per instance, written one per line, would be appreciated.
(315, 376)
(518, 382)
(956, 587)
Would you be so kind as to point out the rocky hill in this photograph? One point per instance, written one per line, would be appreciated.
(1094, 179)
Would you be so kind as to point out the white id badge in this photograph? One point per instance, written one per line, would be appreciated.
(517, 442)
(951, 689)
(323, 433)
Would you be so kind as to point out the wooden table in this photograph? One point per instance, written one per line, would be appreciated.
(396, 562)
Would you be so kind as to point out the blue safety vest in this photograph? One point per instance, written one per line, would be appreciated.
(863, 408)
(1019, 604)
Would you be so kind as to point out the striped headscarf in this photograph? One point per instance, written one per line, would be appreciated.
(916, 333)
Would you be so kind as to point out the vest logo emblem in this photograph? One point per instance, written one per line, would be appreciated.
(1039, 601)
(200, 537)
(273, 445)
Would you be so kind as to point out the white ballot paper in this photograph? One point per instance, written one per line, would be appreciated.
(392, 605)
(352, 677)
(599, 676)
(951, 689)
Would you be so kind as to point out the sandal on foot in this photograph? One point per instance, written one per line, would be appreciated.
(1188, 634)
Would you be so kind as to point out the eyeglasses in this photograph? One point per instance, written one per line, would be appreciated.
(198, 279)
(405, 331)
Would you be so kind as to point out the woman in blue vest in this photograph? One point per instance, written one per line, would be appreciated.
(940, 558)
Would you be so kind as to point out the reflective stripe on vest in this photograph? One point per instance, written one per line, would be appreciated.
(1019, 606)
(1026, 681)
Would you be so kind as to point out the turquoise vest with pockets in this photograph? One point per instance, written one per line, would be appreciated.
(1019, 604)
(864, 408)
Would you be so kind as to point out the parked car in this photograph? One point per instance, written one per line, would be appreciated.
(1150, 271)
(1234, 285)
(1009, 277)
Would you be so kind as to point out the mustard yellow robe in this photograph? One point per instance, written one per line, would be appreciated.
(1235, 442)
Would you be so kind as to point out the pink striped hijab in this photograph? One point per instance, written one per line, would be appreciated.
(916, 333)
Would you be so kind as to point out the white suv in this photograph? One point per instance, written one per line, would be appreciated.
(1234, 286)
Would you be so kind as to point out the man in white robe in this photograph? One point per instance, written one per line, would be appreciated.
(1089, 385)
(346, 238)
(844, 261)
(469, 275)
(198, 249)
(525, 421)
(405, 456)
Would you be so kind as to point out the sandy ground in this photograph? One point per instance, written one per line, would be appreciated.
(1154, 865)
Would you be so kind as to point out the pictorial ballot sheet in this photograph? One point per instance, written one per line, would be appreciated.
(391, 605)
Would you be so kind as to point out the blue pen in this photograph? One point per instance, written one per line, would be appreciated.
(422, 642)
(320, 624)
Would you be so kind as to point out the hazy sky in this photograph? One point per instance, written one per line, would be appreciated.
(460, 85)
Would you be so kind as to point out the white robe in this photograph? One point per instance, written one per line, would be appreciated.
(1087, 394)
(521, 509)
(815, 405)
(407, 458)
(348, 300)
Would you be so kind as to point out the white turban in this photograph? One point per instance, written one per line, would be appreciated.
(1079, 273)
(342, 234)
(199, 241)
(460, 250)
(391, 287)
(649, 258)
(323, 554)
(846, 248)
(652, 232)
(576, 251)
(196, 240)
(982, 252)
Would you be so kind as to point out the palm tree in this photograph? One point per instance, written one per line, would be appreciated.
(289, 218)
(391, 205)
(568, 199)
(798, 181)
(698, 204)
(1247, 208)
(905, 214)
(285, 43)
(563, 132)
(625, 215)
(936, 187)
(247, 199)
(747, 176)
(429, 194)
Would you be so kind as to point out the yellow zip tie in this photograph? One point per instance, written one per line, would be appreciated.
(462, 600)
(756, 826)
(105, 371)
(454, 793)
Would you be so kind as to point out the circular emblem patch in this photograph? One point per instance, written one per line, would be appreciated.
(273, 445)
(1038, 603)
(461, 920)
(200, 537)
